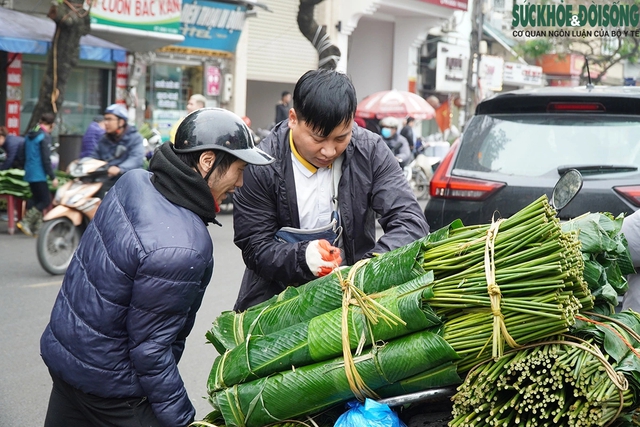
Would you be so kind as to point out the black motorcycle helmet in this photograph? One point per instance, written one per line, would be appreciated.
(218, 129)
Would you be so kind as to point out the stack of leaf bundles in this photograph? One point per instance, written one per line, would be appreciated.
(510, 282)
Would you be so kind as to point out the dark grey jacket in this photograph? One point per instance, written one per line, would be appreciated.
(372, 182)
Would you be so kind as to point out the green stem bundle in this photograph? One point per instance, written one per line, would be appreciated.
(538, 270)
(549, 384)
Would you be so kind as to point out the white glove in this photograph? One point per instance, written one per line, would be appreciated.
(322, 258)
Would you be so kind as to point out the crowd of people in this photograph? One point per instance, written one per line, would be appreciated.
(306, 201)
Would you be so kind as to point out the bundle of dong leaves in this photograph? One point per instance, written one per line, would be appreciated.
(12, 182)
(415, 318)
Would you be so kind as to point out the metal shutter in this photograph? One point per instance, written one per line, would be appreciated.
(277, 50)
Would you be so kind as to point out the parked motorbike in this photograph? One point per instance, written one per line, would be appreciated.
(75, 204)
(420, 171)
(432, 407)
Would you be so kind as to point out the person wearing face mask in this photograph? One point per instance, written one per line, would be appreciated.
(129, 298)
(121, 146)
(315, 207)
(397, 143)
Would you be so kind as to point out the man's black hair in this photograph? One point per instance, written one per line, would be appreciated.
(410, 119)
(285, 93)
(324, 99)
(222, 163)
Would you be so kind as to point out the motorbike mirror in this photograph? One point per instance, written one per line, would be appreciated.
(567, 187)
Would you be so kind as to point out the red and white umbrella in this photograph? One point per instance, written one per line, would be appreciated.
(395, 103)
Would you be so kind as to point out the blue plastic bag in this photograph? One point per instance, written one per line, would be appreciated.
(371, 414)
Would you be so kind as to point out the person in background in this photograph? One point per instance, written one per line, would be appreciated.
(316, 205)
(37, 167)
(92, 135)
(194, 103)
(407, 132)
(121, 146)
(397, 143)
(433, 101)
(247, 121)
(13, 147)
(129, 298)
(631, 231)
(282, 107)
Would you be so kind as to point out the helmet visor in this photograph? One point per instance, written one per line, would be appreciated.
(253, 156)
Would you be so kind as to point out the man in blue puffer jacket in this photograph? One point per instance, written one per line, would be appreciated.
(130, 295)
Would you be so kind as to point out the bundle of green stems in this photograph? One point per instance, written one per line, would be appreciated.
(547, 385)
(539, 272)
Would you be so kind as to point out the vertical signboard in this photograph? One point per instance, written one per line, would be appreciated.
(451, 67)
(122, 76)
(166, 89)
(490, 72)
(214, 78)
(14, 93)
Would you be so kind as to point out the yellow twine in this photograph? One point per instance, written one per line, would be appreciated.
(372, 311)
(500, 331)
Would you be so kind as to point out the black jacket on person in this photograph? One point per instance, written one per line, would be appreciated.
(371, 183)
(282, 112)
(14, 148)
(399, 146)
(407, 132)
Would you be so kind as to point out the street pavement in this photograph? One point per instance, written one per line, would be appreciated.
(27, 294)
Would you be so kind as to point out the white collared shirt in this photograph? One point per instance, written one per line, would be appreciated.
(314, 193)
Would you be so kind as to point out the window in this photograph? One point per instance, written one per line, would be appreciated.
(82, 99)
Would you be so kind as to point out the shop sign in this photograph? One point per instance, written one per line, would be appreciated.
(163, 120)
(490, 72)
(122, 77)
(14, 93)
(451, 67)
(167, 94)
(452, 4)
(517, 74)
(162, 16)
(211, 26)
(214, 78)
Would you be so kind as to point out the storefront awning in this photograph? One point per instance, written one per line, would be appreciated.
(136, 40)
(23, 33)
(503, 40)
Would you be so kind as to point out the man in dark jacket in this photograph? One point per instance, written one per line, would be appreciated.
(282, 107)
(13, 147)
(407, 132)
(130, 295)
(121, 146)
(321, 157)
